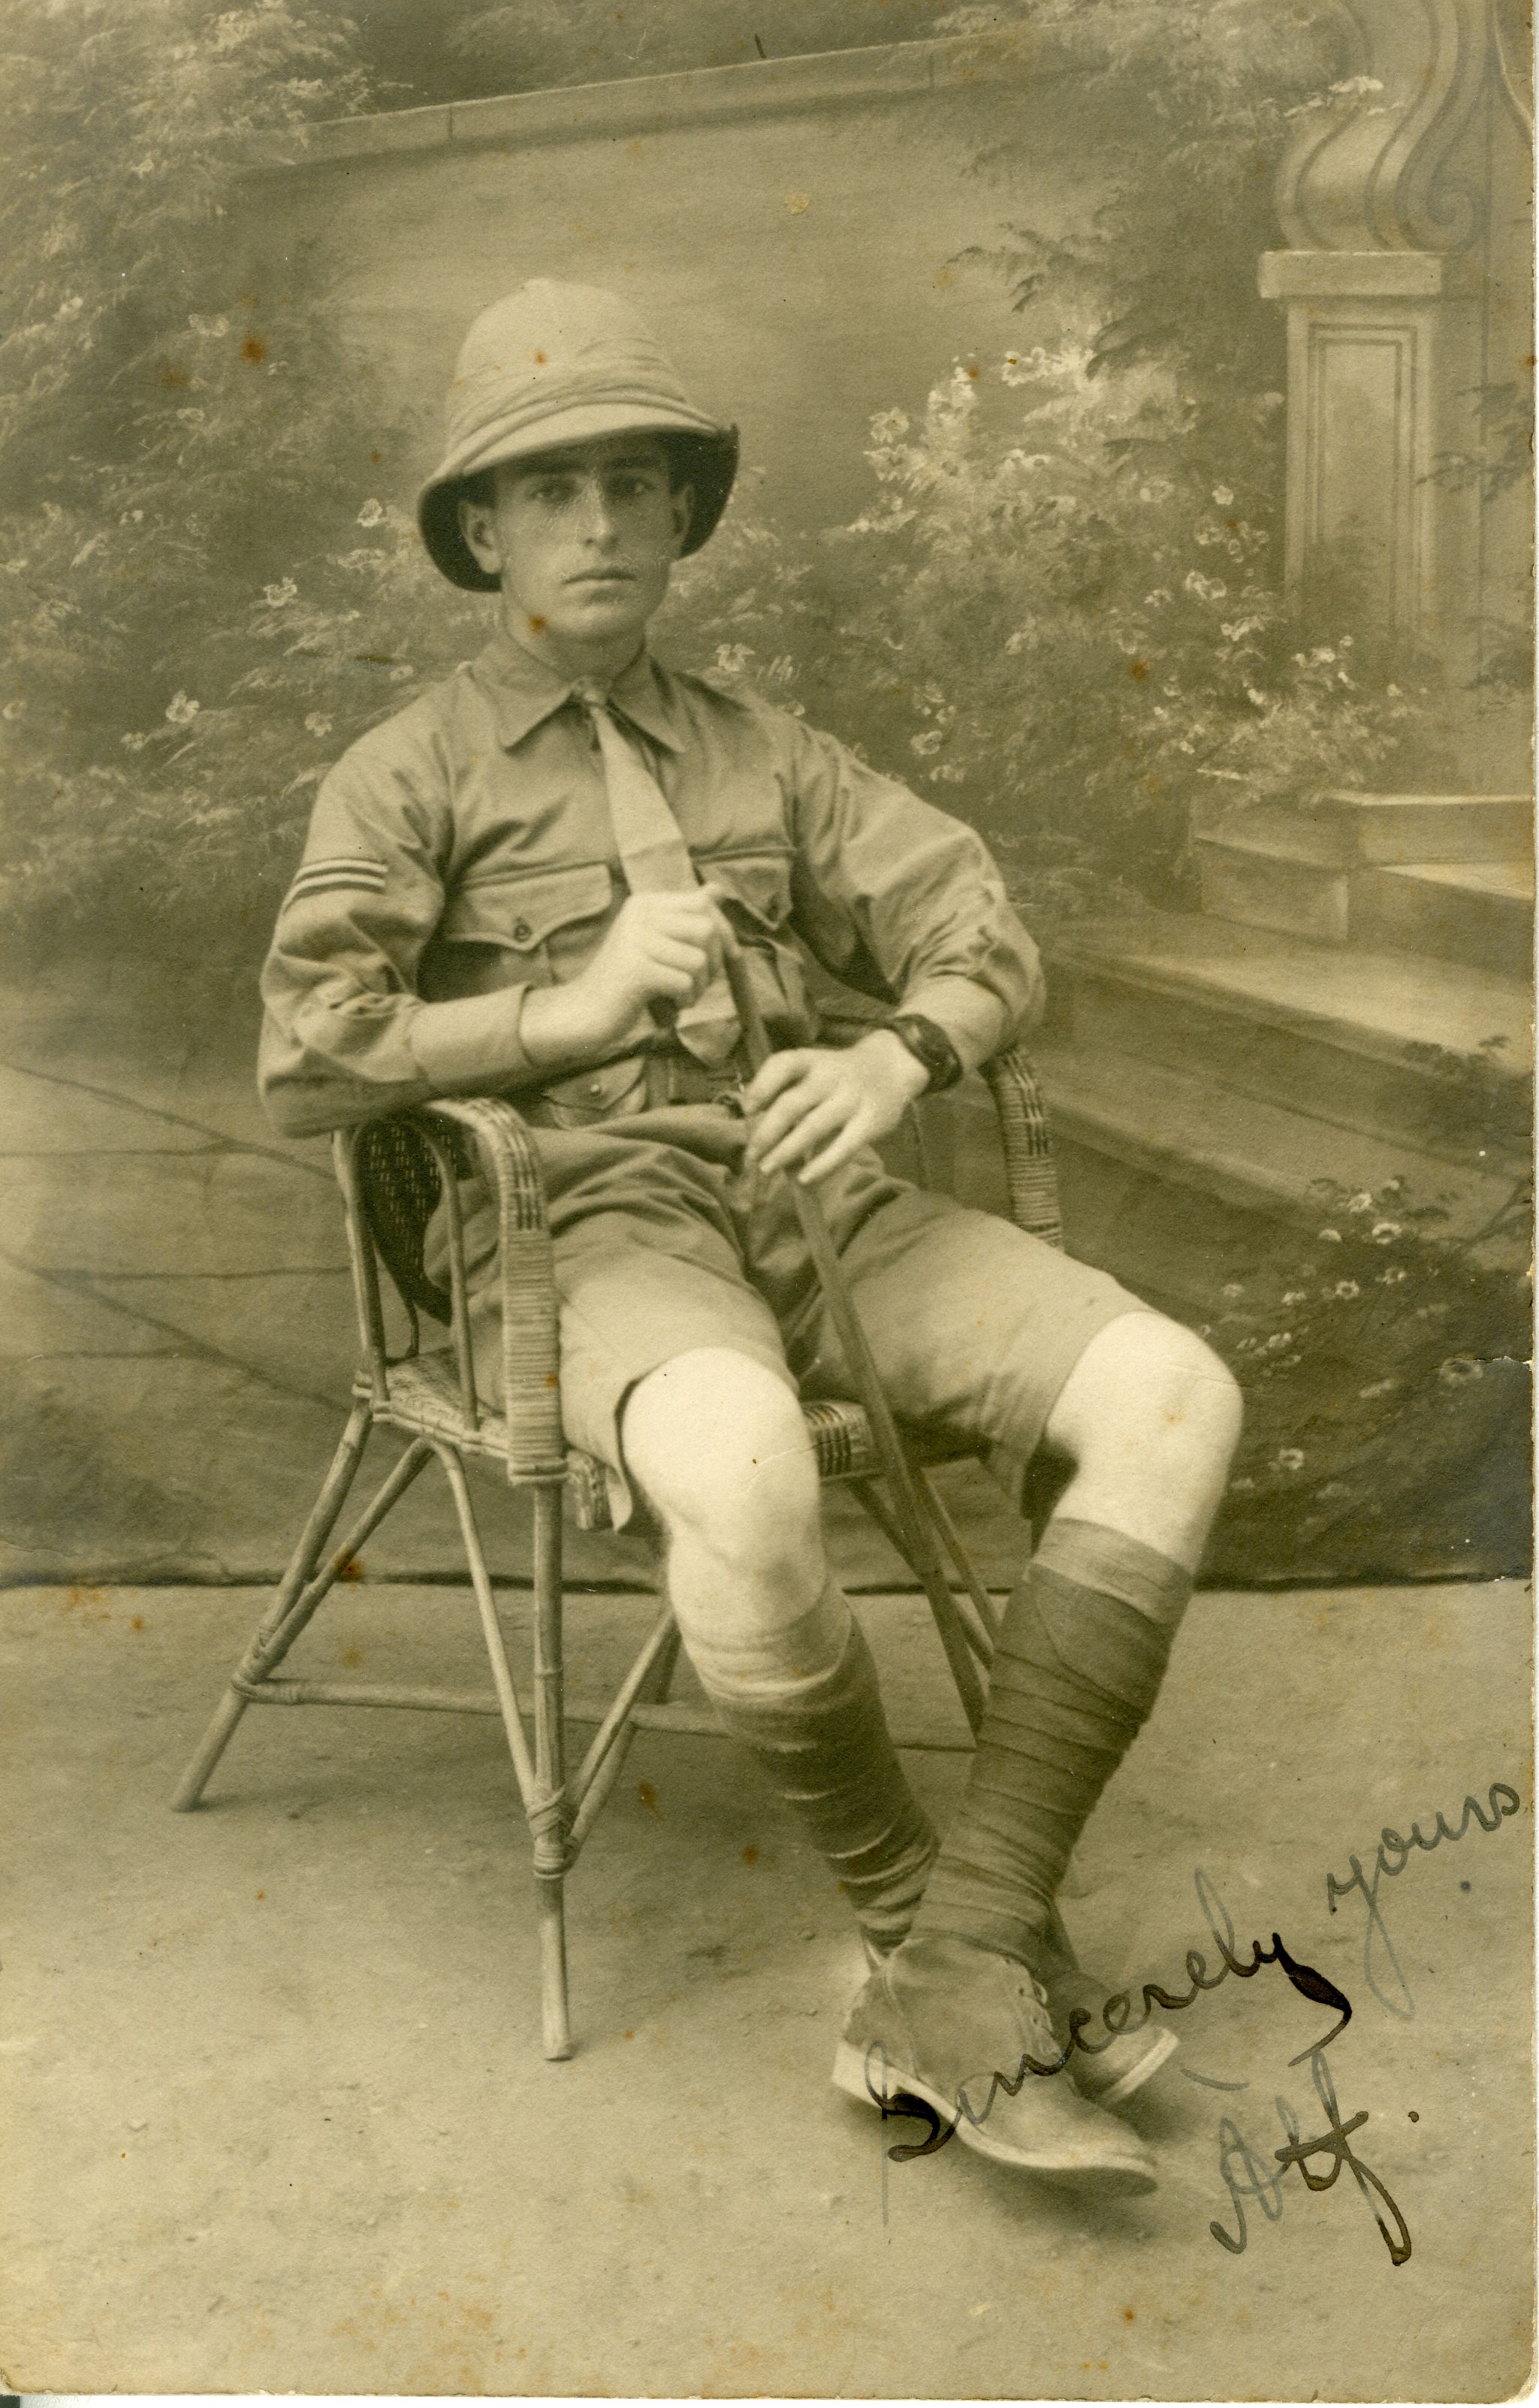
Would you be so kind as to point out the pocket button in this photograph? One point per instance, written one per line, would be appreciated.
(521, 932)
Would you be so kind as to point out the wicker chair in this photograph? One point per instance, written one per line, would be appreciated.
(393, 1173)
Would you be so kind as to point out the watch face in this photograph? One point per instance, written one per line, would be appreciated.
(930, 1045)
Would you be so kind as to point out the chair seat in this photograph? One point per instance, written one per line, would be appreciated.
(425, 1399)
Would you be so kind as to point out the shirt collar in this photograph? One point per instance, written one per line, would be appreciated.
(523, 693)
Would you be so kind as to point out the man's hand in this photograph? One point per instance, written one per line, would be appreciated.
(816, 1106)
(661, 948)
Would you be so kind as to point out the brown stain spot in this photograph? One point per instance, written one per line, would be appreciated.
(749, 1855)
(1233, 525)
(552, 1379)
(254, 350)
(352, 1570)
(176, 378)
(974, 372)
(1129, 2316)
(377, 457)
(539, 359)
(1138, 671)
(352, 1655)
(648, 1796)
(625, 2035)
(261, 1893)
(536, 626)
(138, 1623)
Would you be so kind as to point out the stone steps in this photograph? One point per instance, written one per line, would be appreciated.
(1429, 1055)
(1355, 830)
(1244, 1153)
(1476, 912)
(1446, 874)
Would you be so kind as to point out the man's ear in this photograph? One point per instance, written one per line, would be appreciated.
(478, 526)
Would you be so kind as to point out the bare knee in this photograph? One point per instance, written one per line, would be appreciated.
(1147, 1384)
(721, 1451)
(1149, 1417)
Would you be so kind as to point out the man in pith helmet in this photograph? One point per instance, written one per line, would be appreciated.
(523, 883)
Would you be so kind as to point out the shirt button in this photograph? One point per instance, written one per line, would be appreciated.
(521, 932)
(595, 1086)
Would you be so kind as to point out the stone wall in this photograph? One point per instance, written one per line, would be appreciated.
(793, 228)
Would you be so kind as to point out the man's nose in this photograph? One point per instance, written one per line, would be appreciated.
(595, 513)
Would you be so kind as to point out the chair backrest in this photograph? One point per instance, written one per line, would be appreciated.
(399, 1185)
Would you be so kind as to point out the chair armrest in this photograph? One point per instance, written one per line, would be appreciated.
(530, 1353)
(1029, 1169)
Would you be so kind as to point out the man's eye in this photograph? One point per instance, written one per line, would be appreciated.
(553, 491)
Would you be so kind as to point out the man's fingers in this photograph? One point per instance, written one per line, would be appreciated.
(684, 912)
(676, 953)
(678, 985)
(797, 1098)
(833, 1158)
(771, 1127)
(774, 1075)
(825, 1120)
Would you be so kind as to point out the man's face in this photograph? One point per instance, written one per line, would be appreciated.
(582, 538)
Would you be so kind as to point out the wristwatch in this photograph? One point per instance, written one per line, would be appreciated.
(930, 1046)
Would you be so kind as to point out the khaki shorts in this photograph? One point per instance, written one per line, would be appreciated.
(662, 1244)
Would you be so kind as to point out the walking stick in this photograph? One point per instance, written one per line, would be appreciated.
(911, 1505)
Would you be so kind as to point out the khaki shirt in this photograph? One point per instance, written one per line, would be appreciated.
(461, 852)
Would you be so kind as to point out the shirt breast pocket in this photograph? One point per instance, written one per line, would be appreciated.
(755, 888)
(544, 924)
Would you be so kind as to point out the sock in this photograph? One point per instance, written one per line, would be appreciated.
(820, 1737)
(1081, 1654)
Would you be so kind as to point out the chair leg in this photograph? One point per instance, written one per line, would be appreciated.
(549, 1834)
(541, 1777)
(654, 1690)
(302, 1562)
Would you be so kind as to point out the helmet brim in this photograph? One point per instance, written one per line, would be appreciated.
(704, 455)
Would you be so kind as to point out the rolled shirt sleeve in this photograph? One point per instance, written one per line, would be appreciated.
(895, 896)
(345, 1034)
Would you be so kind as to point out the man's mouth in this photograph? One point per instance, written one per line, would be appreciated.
(602, 576)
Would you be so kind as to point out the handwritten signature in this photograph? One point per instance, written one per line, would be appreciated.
(1246, 2175)
(1266, 2189)
(1390, 1858)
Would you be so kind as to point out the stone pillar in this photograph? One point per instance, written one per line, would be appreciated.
(1363, 339)
(1405, 203)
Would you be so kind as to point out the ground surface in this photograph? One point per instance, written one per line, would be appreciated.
(278, 2117)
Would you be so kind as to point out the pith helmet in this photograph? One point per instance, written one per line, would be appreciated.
(562, 364)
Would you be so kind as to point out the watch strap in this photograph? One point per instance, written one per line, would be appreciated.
(930, 1046)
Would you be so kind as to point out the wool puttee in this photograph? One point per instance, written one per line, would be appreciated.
(1082, 1653)
(823, 1744)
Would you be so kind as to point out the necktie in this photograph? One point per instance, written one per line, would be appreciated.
(654, 856)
